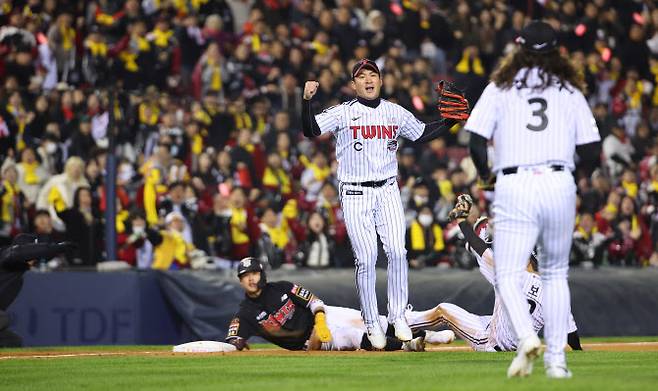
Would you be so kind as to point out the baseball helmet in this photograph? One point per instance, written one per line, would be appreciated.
(251, 264)
(482, 229)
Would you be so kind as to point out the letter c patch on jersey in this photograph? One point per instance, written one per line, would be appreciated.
(358, 146)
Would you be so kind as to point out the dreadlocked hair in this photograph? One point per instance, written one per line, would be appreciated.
(554, 67)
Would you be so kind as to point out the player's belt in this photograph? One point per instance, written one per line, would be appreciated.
(368, 184)
(514, 170)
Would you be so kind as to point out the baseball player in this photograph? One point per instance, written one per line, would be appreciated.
(535, 113)
(291, 317)
(366, 130)
(492, 332)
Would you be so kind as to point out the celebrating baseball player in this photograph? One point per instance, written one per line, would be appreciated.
(367, 130)
(492, 332)
(536, 114)
(290, 316)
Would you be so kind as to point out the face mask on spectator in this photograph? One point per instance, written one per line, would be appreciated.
(126, 173)
(138, 229)
(425, 220)
(420, 200)
(51, 148)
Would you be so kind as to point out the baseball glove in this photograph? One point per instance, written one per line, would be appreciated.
(452, 103)
(462, 208)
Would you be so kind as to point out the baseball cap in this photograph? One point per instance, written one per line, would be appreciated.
(364, 64)
(538, 37)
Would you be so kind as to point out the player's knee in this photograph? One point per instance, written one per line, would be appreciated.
(364, 262)
(441, 309)
(398, 254)
(553, 273)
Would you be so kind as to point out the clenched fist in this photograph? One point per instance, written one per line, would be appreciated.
(310, 88)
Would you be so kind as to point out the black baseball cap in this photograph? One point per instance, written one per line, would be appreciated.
(249, 264)
(538, 37)
(364, 64)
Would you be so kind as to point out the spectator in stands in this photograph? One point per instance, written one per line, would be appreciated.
(209, 73)
(276, 180)
(166, 55)
(135, 249)
(275, 243)
(218, 224)
(617, 150)
(83, 227)
(82, 142)
(314, 175)
(170, 249)
(31, 175)
(58, 192)
(244, 229)
(316, 251)
(13, 216)
(606, 216)
(62, 40)
(588, 245)
(424, 240)
(96, 61)
(638, 230)
(175, 202)
(42, 226)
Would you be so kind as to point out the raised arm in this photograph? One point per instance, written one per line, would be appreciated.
(310, 126)
(460, 214)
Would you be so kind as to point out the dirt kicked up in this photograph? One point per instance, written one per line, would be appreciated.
(53, 354)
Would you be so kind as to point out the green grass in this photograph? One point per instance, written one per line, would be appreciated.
(375, 371)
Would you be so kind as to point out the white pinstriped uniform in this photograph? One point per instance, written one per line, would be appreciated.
(366, 146)
(347, 327)
(534, 129)
(492, 332)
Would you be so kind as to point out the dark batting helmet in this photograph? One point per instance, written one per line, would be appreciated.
(251, 264)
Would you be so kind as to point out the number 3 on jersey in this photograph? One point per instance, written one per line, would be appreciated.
(540, 112)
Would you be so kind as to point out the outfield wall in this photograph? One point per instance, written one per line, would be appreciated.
(78, 308)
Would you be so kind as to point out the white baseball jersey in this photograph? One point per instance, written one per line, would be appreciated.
(534, 129)
(518, 121)
(501, 331)
(366, 146)
(367, 138)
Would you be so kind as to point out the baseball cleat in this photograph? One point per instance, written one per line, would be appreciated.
(376, 337)
(402, 330)
(439, 337)
(415, 345)
(529, 349)
(558, 372)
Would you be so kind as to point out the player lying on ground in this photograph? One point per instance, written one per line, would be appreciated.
(492, 332)
(291, 317)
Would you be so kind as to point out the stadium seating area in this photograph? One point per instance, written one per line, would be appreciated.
(203, 100)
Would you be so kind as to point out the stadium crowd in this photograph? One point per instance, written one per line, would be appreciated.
(204, 98)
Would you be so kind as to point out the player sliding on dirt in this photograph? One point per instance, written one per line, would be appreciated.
(492, 332)
(293, 318)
